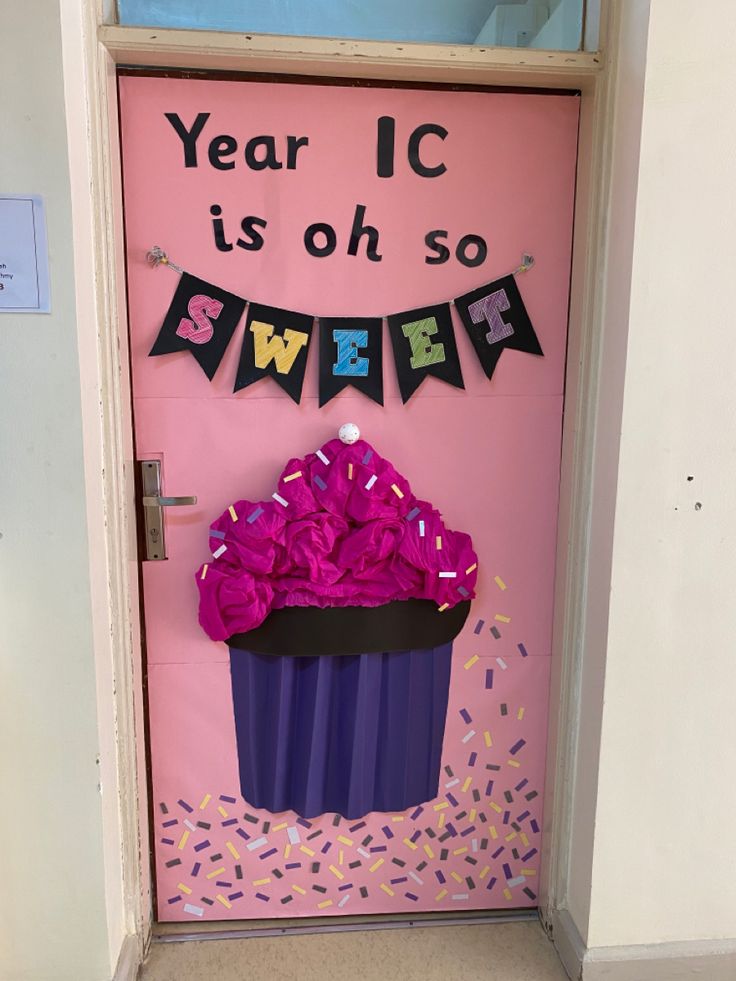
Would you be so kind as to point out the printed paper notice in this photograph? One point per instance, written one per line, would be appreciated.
(24, 265)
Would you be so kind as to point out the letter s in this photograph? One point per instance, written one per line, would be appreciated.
(199, 330)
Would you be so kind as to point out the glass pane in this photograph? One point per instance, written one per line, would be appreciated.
(549, 24)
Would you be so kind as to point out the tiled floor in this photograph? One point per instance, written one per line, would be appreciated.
(496, 952)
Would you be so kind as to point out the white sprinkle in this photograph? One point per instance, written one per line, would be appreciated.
(189, 825)
(468, 735)
(293, 834)
(452, 783)
(218, 553)
(416, 878)
(323, 458)
(516, 882)
(252, 845)
(197, 910)
(447, 575)
(501, 663)
(474, 844)
(363, 852)
(371, 481)
(421, 528)
(344, 899)
(280, 500)
(461, 895)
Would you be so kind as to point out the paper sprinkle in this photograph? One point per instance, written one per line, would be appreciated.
(371, 481)
(397, 491)
(280, 500)
(292, 476)
(323, 458)
(233, 513)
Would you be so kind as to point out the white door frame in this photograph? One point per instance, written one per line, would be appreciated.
(592, 403)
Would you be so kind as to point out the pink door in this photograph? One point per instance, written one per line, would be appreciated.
(487, 456)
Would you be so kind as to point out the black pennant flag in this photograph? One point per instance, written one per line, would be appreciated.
(202, 318)
(275, 344)
(495, 318)
(424, 344)
(350, 354)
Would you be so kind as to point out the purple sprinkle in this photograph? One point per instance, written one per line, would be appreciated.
(174, 899)
(491, 882)
(195, 869)
(451, 799)
(472, 758)
(228, 800)
(168, 824)
(479, 626)
(387, 831)
(523, 650)
(243, 834)
(326, 847)
(262, 897)
(183, 803)
(465, 715)
(250, 519)
(293, 865)
(450, 829)
(271, 851)
(304, 823)
(413, 513)
(497, 852)
(214, 533)
(201, 845)
(534, 826)
(410, 895)
(379, 848)
(468, 831)
(235, 895)
(347, 885)
(506, 817)
(489, 788)
(357, 827)
(368, 455)
(520, 786)
(230, 821)
(319, 482)
(517, 746)
(507, 871)
(523, 816)
(489, 677)
(463, 592)
(403, 878)
(226, 885)
(167, 841)
(529, 854)
(416, 812)
(440, 877)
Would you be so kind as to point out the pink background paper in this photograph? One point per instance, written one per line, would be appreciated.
(487, 457)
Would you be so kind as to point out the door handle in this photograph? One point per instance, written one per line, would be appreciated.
(153, 502)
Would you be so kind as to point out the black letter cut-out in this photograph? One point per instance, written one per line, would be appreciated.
(220, 147)
(270, 161)
(256, 239)
(188, 137)
(385, 146)
(415, 139)
(358, 231)
(218, 229)
(329, 233)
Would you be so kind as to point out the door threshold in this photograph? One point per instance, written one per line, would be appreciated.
(166, 933)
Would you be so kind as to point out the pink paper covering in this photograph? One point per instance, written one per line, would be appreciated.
(345, 532)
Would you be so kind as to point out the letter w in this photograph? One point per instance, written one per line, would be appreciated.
(268, 348)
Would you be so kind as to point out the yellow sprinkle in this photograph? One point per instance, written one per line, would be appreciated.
(471, 568)
(336, 872)
(376, 865)
(501, 618)
(224, 901)
(302, 892)
(410, 844)
(184, 888)
(440, 895)
(487, 737)
(484, 871)
(350, 471)
(307, 851)
(492, 831)
(499, 582)
(215, 872)
(467, 783)
(205, 567)
(183, 840)
(471, 662)
(441, 609)
(507, 893)
(324, 904)
(222, 811)
(261, 882)
(471, 816)
(280, 827)
(428, 850)
(292, 476)
(495, 806)
(441, 822)
(438, 543)
(524, 839)
(233, 850)
(340, 857)
(528, 872)
(287, 850)
(460, 851)
(442, 806)
(344, 840)
(456, 877)
(513, 763)
(520, 714)
(510, 836)
(207, 797)
(233, 513)
(387, 889)
(397, 817)
(397, 491)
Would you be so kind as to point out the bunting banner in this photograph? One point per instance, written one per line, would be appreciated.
(275, 344)
(350, 353)
(424, 344)
(202, 319)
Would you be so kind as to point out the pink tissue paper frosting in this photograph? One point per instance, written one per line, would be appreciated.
(345, 532)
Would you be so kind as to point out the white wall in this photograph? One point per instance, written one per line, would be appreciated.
(664, 847)
(52, 883)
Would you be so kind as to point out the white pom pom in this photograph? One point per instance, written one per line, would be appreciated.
(349, 433)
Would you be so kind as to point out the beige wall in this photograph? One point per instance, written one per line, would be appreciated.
(664, 851)
(53, 922)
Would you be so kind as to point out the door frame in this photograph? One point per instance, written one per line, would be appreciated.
(93, 48)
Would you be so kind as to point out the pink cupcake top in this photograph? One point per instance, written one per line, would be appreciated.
(342, 529)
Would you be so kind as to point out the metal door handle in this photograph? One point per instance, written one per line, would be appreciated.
(167, 502)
